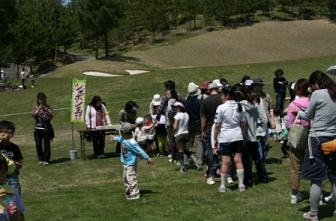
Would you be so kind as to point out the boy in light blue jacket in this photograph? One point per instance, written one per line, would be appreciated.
(130, 150)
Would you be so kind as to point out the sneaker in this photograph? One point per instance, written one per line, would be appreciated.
(40, 162)
(177, 163)
(229, 180)
(133, 197)
(45, 163)
(310, 216)
(101, 156)
(296, 198)
(329, 198)
(169, 156)
(242, 188)
(183, 170)
(222, 189)
(211, 181)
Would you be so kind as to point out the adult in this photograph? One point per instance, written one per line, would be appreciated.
(280, 86)
(254, 115)
(23, 76)
(227, 123)
(96, 115)
(169, 97)
(263, 100)
(296, 155)
(208, 111)
(44, 132)
(316, 165)
(193, 106)
(127, 115)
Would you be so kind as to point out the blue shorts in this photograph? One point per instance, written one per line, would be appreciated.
(228, 149)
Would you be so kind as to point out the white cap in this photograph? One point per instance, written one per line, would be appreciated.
(217, 81)
(156, 100)
(193, 89)
(139, 120)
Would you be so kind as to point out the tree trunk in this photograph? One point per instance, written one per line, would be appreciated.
(96, 45)
(194, 22)
(106, 44)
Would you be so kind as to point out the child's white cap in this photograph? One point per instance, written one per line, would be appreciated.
(156, 100)
(139, 120)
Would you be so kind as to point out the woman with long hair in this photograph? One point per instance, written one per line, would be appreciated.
(316, 165)
(228, 134)
(44, 132)
(97, 115)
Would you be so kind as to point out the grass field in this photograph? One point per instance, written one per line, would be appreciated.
(262, 42)
(93, 190)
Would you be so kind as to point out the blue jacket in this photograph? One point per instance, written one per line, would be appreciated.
(130, 149)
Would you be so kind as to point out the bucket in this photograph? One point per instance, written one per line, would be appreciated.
(73, 154)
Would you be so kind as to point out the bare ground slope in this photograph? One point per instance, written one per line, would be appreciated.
(263, 42)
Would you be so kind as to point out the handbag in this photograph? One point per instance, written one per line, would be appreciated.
(298, 136)
(329, 147)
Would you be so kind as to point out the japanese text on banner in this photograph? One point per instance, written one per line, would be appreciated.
(78, 101)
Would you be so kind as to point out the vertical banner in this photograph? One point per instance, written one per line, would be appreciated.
(78, 101)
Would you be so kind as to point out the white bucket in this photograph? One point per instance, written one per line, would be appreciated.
(73, 154)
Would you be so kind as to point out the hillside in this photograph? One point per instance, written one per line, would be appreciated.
(263, 42)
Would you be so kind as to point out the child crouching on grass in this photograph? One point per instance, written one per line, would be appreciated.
(130, 149)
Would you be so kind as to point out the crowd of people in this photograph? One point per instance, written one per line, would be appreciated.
(220, 127)
(228, 125)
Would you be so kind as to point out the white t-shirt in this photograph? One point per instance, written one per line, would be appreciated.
(229, 118)
(183, 119)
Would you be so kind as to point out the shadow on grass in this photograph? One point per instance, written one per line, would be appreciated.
(145, 192)
(119, 58)
(273, 161)
(60, 160)
(107, 155)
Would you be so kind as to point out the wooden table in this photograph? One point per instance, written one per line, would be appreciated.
(88, 132)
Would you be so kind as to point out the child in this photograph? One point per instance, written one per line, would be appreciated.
(130, 149)
(10, 202)
(12, 152)
(160, 132)
(280, 132)
(181, 134)
(149, 127)
(140, 134)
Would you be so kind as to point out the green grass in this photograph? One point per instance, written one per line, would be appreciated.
(93, 189)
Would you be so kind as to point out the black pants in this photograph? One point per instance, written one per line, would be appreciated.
(98, 143)
(250, 154)
(42, 140)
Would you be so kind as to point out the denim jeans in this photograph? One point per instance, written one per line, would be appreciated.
(213, 160)
(280, 100)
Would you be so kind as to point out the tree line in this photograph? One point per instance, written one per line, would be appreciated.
(37, 31)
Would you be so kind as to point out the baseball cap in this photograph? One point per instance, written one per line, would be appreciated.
(126, 127)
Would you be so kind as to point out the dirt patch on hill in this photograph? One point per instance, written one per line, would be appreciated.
(263, 42)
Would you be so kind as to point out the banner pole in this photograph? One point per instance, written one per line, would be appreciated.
(73, 136)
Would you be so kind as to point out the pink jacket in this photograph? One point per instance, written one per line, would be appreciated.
(298, 104)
